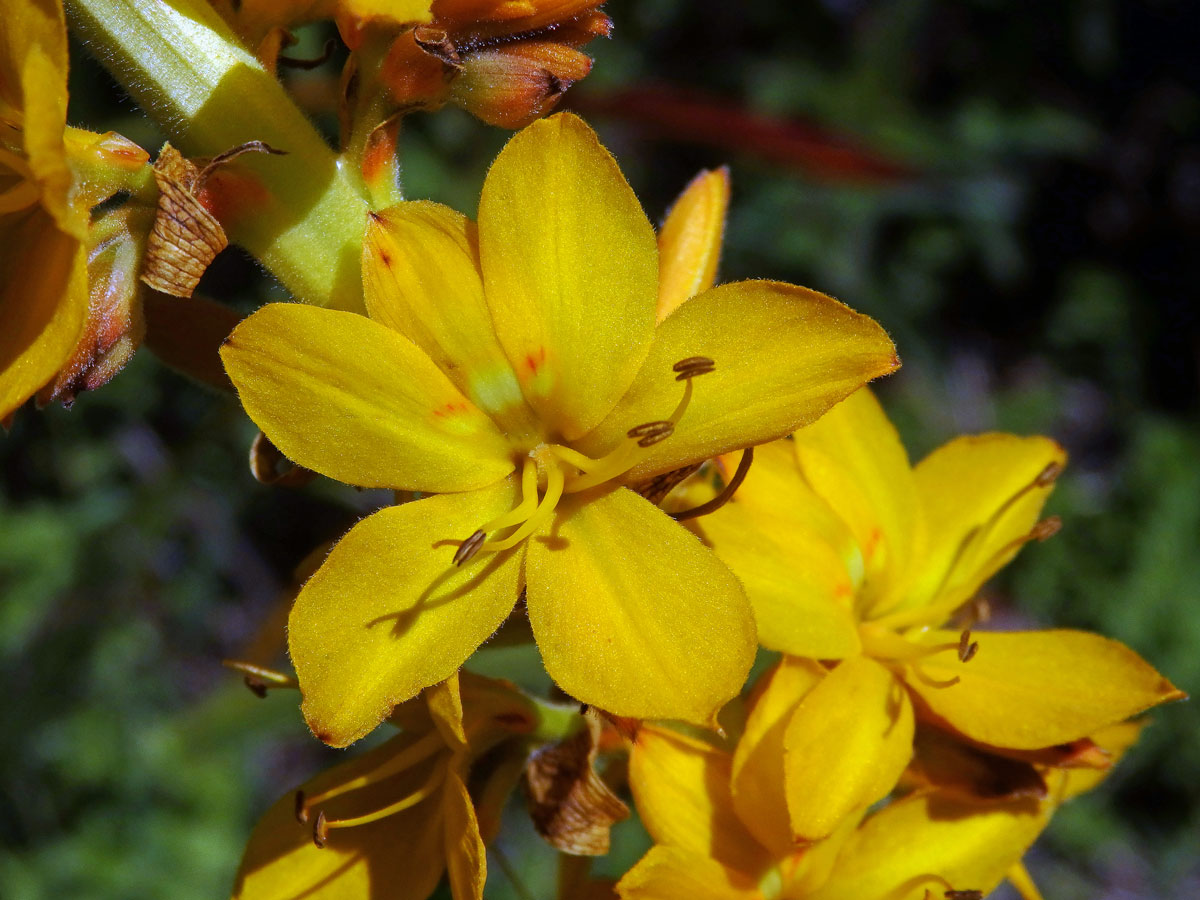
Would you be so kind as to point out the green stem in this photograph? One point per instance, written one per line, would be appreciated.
(192, 75)
(555, 721)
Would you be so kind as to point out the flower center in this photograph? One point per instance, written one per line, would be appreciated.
(888, 647)
(553, 470)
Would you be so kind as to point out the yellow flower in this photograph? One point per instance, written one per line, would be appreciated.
(43, 265)
(390, 822)
(849, 554)
(515, 369)
(722, 832)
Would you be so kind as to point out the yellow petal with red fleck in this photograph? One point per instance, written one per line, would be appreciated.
(43, 315)
(389, 614)
(1114, 741)
(421, 278)
(758, 782)
(784, 355)
(1025, 690)
(689, 244)
(681, 788)
(466, 856)
(929, 842)
(853, 458)
(633, 614)
(570, 271)
(846, 746)
(400, 856)
(668, 873)
(354, 400)
(980, 498)
(788, 549)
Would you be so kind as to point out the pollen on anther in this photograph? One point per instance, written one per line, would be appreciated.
(1046, 529)
(469, 547)
(320, 831)
(692, 366)
(967, 648)
(650, 433)
(1049, 475)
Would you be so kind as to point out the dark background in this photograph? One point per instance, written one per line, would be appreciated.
(1012, 189)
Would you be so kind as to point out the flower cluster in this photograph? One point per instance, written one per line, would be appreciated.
(592, 446)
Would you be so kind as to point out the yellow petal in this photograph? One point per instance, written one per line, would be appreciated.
(784, 355)
(444, 700)
(421, 278)
(965, 489)
(681, 788)
(43, 314)
(570, 271)
(466, 856)
(353, 400)
(846, 745)
(1026, 690)
(783, 542)
(689, 244)
(389, 614)
(759, 786)
(853, 458)
(633, 614)
(400, 856)
(667, 873)
(929, 842)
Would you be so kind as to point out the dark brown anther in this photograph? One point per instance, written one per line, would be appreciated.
(1048, 475)
(963, 895)
(967, 648)
(320, 831)
(301, 808)
(256, 687)
(436, 42)
(468, 548)
(650, 433)
(689, 368)
(1046, 529)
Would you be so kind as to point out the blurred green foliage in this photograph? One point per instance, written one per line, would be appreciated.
(1033, 259)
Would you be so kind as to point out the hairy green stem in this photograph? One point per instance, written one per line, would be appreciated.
(192, 75)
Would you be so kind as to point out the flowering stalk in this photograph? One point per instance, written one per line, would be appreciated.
(193, 76)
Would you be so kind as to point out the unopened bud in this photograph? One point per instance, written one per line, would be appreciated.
(512, 85)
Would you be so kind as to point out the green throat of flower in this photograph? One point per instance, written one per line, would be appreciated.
(551, 471)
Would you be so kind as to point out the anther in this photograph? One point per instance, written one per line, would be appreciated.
(967, 648)
(1049, 475)
(256, 687)
(320, 831)
(689, 368)
(301, 807)
(1046, 529)
(963, 895)
(469, 547)
(650, 433)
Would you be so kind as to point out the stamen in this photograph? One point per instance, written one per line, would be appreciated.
(963, 895)
(650, 433)
(260, 679)
(1046, 529)
(726, 493)
(414, 753)
(931, 681)
(1045, 478)
(967, 648)
(554, 491)
(468, 548)
(323, 824)
(689, 368)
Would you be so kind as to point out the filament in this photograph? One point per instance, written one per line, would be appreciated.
(323, 825)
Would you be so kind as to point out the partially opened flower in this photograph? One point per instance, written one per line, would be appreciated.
(850, 555)
(389, 823)
(515, 369)
(721, 827)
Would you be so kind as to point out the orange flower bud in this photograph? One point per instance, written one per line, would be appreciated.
(515, 84)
